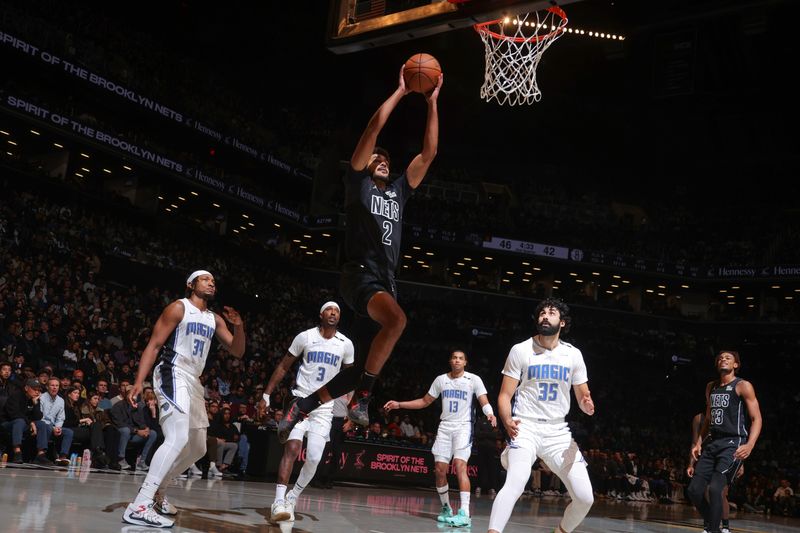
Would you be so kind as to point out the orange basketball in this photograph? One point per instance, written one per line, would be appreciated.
(422, 73)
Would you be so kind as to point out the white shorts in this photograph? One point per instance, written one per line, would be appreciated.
(551, 442)
(177, 391)
(452, 443)
(318, 422)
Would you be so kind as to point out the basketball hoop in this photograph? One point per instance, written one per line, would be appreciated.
(514, 46)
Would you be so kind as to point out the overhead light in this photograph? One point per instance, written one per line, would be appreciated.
(595, 273)
(730, 296)
(489, 258)
(303, 247)
(243, 227)
(775, 287)
(651, 291)
(509, 273)
(407, 257)
(276, 225)
(106, 171)
(578, 280)
(456, 273)
(506, 280)
(723, 291)
(537, 269)
(193, 193)
(615, 285)
(526, 263)
(84, 155)
(58, 145)
(173, 206)
(684, 286)
(35, 132)
(609, 292)
(85, 169)
(735, 287)
(326, 234)
(626, 281)
(126, 167)
(296, 240)
(4, 132)
(251, 224)
(416, 248)
(556, 281)
(215, 204)
(428, 253)
(245, 216)
(460, 264)
(181, 198)
(662, 286)
(9, 153)
(160, 197)
(11, 143)
(661, 294)
(307, 236)
(474, 268)
(616, 276)
(235, 230)
(731, 303)
(170, 210)
(526, 280)
(529, 273)
(318, 251)
(750, 298)
(788, 297)
(309, 253)
(420, 262)
(79, 174)
(573, 274)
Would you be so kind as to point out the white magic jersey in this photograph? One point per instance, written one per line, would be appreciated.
(545, 378)
(322, 359)
(186, 349)
(457, 396)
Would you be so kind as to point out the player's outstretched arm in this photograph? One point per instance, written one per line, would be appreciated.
(430, 144)
(366, 144)
(166, 324)
(747, 392)
(419, 403)
(697, 445)
(584, 398)
(233, 342)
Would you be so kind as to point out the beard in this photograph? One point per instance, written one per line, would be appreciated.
(548, 330)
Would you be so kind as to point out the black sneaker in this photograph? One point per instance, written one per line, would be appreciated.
(17, 459)
(291, 417)
(358, 412)
(42, 460)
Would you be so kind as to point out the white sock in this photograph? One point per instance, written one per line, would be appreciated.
(280, 492)
(464, 494)
(444, 494)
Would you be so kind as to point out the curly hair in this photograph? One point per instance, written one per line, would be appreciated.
(558, 305)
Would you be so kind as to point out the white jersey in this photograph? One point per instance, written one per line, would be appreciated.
(457, 396)
(545, 378)
(186, 349)
(322, 359)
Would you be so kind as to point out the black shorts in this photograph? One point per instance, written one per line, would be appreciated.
(717, 456)
(359, 284)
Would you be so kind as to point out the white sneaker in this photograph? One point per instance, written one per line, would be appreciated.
(194, 471)
(724, 530)
(280, 512)
(213, 471)
(141, 466)
(163, 506)
(124, 464)
(145, 515)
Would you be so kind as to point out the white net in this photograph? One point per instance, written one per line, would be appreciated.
(514, 47)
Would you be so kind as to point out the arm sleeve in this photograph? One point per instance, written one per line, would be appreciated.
(579, 369)
(298, 344)
(436, 387)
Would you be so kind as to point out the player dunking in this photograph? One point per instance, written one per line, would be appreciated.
(374, 204)
(728, 442)
(324, 352)
(181, 338)
(534, 399)
(454, 437)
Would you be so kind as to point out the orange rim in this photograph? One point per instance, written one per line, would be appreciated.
(483, 27)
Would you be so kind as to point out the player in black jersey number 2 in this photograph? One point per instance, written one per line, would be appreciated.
(728, 442)
(374, 205)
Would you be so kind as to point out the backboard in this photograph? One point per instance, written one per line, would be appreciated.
(355, 25)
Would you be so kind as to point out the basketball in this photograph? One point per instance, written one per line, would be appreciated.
(422, 73)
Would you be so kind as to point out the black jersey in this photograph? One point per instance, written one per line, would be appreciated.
(726, 418)
(374, 221)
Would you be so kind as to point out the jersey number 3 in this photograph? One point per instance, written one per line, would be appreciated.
(548, 392)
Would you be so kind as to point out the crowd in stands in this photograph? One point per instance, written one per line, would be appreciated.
(73, 329)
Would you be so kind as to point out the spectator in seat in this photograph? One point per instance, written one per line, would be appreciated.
(132, 428)
(22, 413)
(53, 414)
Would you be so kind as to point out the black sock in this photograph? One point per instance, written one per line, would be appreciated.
(725, 523)
(309, 403)
(365, 384)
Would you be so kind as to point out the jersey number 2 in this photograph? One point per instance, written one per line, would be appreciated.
(387, 232)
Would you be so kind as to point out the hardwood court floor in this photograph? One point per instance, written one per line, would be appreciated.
(65, 502)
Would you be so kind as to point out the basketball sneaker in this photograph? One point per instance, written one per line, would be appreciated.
(291, 417)
(280, 512)
(358, 412)
(462, 519)
(163, 506)
(724, 530)
(445, 514)
(145, 515)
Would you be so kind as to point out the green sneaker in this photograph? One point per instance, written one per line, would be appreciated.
(462, 519)
(446, 514)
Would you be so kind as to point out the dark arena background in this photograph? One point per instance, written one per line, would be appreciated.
(653, 188)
